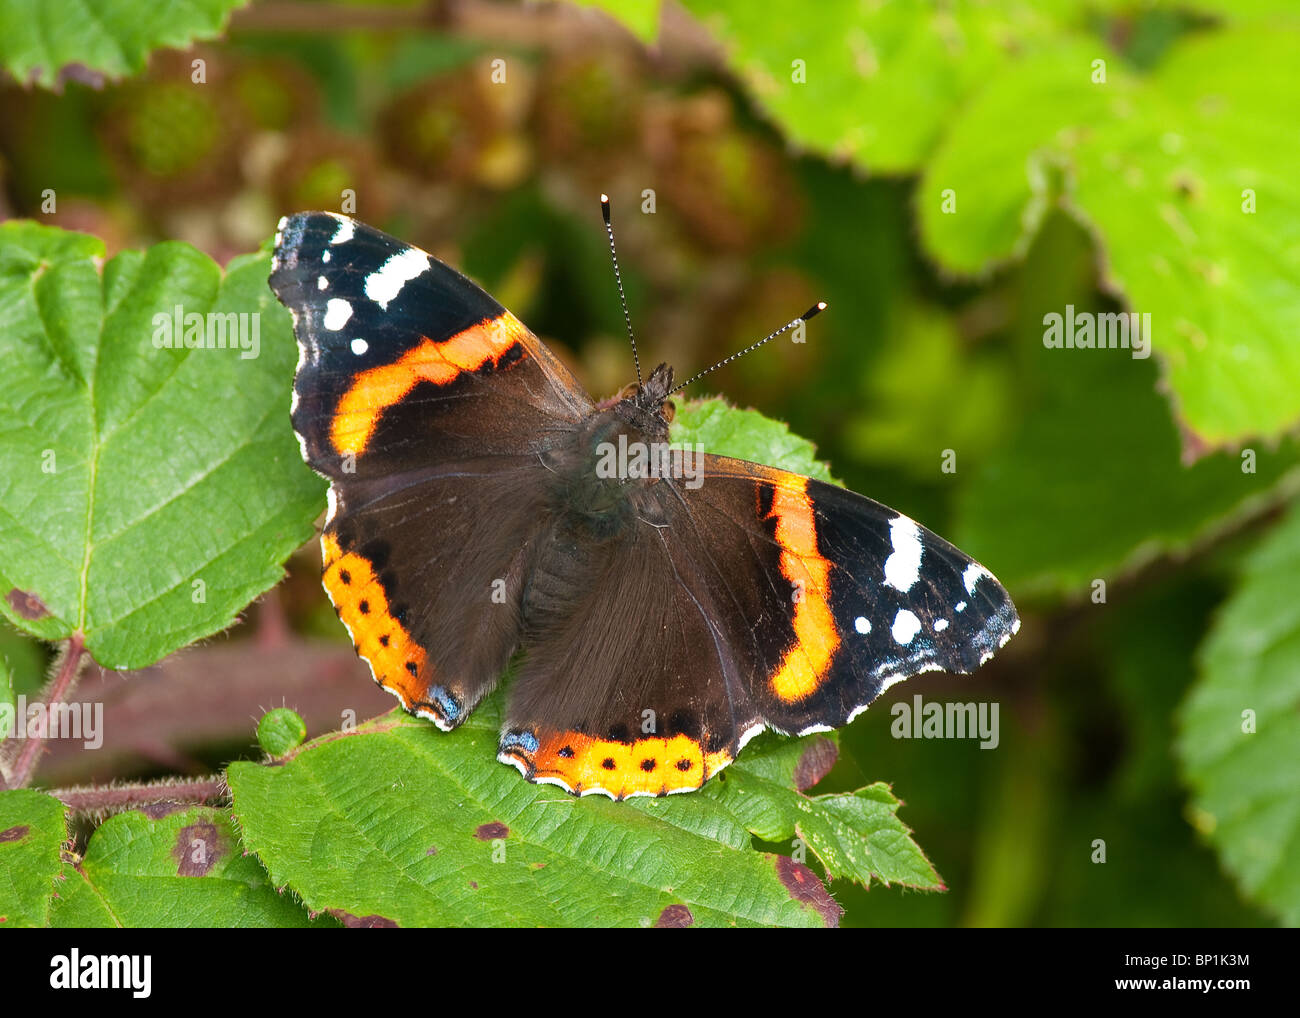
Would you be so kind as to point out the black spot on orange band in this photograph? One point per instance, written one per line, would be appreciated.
(394, 657)
(648, 766)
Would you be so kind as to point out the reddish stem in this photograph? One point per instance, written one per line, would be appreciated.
(112, 798)
(74, 657)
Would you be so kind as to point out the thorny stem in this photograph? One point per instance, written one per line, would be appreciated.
(68, 671)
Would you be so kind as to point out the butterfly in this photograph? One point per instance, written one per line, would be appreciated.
(670, 604)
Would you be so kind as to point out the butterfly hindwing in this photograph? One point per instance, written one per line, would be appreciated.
(632, 690)
(428, 579)
(759, 599)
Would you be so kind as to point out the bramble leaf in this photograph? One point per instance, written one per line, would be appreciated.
(170, 866)
(422, 827)
(32, 833)
(1184, 177)
(1240, 726)
(44, 41)
(746, 434)
(147, 494)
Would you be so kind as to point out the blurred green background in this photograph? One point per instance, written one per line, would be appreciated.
(741, 195)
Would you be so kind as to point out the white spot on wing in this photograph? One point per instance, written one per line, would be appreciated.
(904, 565)
(906, 625)
(325, 256)
(347, 229)
(360, 346)
(321, 282)
(961, 606)
(337, 313)
(387, 281)
(973, 574)
(862, 625)
(940, 625)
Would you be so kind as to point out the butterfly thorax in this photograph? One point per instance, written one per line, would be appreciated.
(603, 480)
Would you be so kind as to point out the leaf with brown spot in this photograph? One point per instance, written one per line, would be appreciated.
(32, 832)
(158, 810)
(815, 762)
(491, 831)
(569, 861)
(198, 847)
(99, 506)
(365, 922)
(26, 605)
(674, 917)
(181, 869)
(805, 887)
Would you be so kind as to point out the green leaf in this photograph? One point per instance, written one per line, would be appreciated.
(170, 866)
(1091, 485)
(146, 494)
(1056, 507)
(881, 82)
(746, 434)
(41, 39)
(396, 822)
(25, 661)
(857, 836)
(925, 394)
(1162, 169)
(32, 832)
(1243, 769)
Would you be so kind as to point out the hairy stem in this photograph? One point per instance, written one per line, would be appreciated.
(66, 672)
(132, 795)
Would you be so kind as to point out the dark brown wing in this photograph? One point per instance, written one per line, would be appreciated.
(428, 407)
(759, 599)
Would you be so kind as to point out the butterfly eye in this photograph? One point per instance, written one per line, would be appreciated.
(669, 410)
(629, 391)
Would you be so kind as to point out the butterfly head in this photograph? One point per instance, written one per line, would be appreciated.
(646, 405)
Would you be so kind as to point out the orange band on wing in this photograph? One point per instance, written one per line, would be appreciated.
(375, 390)
(394, 657)
(649, 766)
(806, 661)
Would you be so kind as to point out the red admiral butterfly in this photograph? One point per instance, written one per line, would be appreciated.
(664, 623)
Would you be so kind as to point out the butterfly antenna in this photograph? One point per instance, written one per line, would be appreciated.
(816, 309)
(618, 278)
